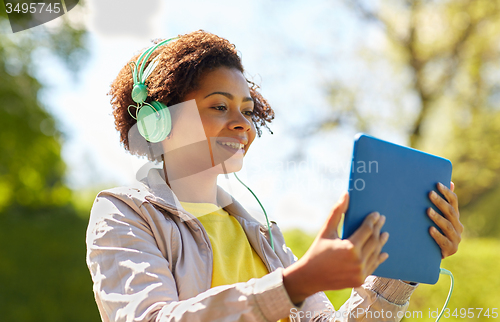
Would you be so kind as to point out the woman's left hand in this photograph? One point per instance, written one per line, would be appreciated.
(449, 223)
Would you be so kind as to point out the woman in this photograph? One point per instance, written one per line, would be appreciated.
(179, 248)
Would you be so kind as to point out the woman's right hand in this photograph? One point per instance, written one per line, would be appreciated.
(332, 263)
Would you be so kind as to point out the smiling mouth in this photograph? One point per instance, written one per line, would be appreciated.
(232, 146)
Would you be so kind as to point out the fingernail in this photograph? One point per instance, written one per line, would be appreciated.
(376, 216)
(440, 185)
(385, 237)
(433, 194)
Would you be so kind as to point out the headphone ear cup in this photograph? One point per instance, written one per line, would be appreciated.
(153, 125)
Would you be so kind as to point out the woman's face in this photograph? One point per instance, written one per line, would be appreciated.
(225, 108)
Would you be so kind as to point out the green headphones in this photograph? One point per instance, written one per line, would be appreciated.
(153, 119)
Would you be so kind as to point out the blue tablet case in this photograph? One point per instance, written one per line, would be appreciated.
(395, 181)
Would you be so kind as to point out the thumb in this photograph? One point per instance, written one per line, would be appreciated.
(329, 229)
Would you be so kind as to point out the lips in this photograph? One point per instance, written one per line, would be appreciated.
(233, 144)
(233, 147)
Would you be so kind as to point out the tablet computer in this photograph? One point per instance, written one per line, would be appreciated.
(395, 181)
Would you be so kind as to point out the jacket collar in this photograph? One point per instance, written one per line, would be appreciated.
(162, 195)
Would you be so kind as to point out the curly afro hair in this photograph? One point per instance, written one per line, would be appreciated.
(181, 64)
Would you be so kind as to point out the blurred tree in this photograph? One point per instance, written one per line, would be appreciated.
(31, 168)
(43, 276)
(447, 55)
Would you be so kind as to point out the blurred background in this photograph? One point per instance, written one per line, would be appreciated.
(421, 73)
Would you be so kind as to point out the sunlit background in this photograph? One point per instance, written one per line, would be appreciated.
(424, 74)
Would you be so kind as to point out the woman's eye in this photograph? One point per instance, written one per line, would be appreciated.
(248, 113)
(220, 107)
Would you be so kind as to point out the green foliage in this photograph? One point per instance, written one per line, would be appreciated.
(31, 167)
(474, 267)
(447, 56)
(483, 217)
(43, 275)
(476, 173)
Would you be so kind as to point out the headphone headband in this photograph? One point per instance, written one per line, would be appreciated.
(140, 92)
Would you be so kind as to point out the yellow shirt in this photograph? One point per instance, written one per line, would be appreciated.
(234, 259)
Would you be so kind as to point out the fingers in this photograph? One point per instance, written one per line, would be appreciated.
(373, 247)
(365, 231)
(447, 247)
(376, 257)
(451, 237)
(449, 194)
(373, 242)
(329, 229)
(450, 212)
(445, 225)
(450, 224)
(380, 258)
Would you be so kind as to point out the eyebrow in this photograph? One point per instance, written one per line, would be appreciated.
(230, 96)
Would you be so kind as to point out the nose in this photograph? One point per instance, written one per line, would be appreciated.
(240, 122)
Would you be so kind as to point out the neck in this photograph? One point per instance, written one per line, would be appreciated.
(199, 187)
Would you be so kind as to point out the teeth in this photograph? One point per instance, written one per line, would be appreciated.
(233, 145)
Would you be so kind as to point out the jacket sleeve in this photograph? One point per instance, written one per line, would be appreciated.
(378, 299)
(133, 280)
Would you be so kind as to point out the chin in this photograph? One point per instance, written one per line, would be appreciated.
(228, 162)
(231, 166)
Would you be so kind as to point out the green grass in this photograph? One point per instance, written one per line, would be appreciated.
(477, 283)
(43, 275)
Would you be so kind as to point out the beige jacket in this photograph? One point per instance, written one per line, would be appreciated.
(150, 260)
